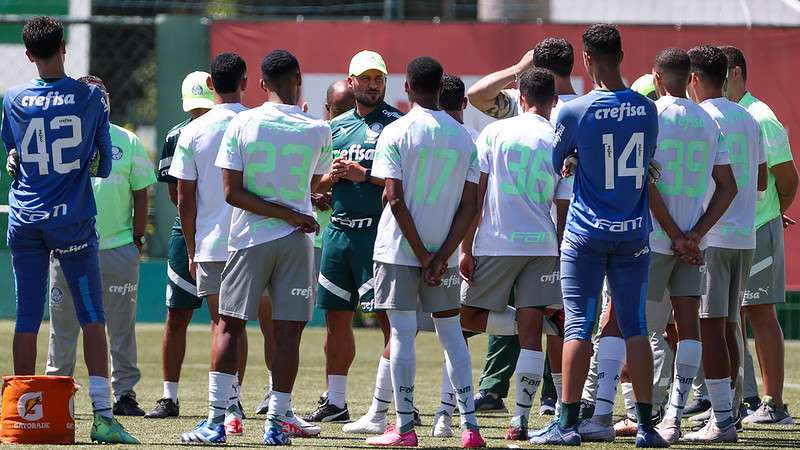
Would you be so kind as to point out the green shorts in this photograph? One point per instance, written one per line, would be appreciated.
(345, 275)
(181, 287)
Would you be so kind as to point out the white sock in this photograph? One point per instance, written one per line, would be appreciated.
(448, 330)
(337, 390)
(100, 394)
(403, 363)
(234, 400)
(170, 390)
(530, 367)
(628, 399)
(269, 376)
(719, 392)
(610, 358)
(502, 323)
(558, 383)
(382, 396)
(280, 405)
(687, 361)
(447, 395)
(221, 387)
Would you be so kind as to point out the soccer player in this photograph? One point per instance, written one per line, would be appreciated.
(58, 128)
(272, 157)
(489, 96)
(766, 285)
(429, 164)
(345, 276)
(121, 221)
(453, 101)
(339, 99)
(515, 242)
(731, 242)
(690, 152)
(182, 299)
(205, 217)
(613, 131)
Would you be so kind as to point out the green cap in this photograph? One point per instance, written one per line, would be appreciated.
(366, 60)
(645, 85)
(195, 92)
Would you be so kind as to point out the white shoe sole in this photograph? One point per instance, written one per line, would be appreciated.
(361, 428)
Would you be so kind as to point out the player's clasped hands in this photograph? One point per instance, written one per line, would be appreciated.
(348, 169)
(687, 248)
(466, 268)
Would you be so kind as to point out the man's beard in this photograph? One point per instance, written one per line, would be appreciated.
(365, 100)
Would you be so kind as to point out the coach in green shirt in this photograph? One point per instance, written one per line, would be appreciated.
(121, 219)
(766, 286)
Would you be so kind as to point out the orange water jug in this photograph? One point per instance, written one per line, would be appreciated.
(38, 410)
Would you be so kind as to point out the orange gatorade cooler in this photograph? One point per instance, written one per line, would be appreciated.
(38, 410)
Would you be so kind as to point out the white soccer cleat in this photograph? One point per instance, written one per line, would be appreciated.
(369, 423)
(597, 429)
(442, 425)
(295, 426)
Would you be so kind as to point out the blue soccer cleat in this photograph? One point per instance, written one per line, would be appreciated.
(555, 435)
(649, 438)
(274, 434)
(205, 434)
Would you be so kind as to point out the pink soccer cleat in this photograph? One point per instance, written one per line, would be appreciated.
(391, 438)
(233, 426)
(472, 439)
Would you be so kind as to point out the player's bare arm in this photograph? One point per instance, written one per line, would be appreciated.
(187, 210)
(466, 263)
(395, 200)
(463, 220)
(786, 181)
(562, 208)
(236, 195)
(140, 206)
(762, 177)
(723, 196)
(487, 94)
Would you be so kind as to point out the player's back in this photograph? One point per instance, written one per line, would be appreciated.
(432, 154)
(516, 154)
(194, 159)
(614, 135)
(689, 145)
(278, 148)
(741, 139)
(55, 128)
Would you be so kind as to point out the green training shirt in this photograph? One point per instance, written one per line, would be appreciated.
(776, 146)
(355, 137)
(167, 152)
(131, 170)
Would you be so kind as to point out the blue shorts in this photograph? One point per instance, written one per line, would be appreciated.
(76, 247)
(584, 264)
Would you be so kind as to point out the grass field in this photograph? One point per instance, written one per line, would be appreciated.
(193, 394)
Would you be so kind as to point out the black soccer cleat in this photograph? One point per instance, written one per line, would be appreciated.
(697, 406)
(128, 406)
(165, 408)
(328, 412)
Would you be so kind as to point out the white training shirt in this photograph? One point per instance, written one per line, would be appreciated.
(689, 146)
(517, 155)
(516, 104)
(742, 139)
(194, 160)
(434, 156)
(279, 148)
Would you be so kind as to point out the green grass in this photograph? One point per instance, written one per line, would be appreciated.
(157, 434)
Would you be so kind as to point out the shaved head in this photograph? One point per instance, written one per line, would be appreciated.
(338, 99)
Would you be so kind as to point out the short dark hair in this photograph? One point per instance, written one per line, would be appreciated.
(452, 96)
(424, 74)
(43, 36)
(554, 54)
(735, 58)
(278, 64)
(94, 80)
(537, 85)
(673, 61)
(710, 63)
(603, 40)
(227, 72)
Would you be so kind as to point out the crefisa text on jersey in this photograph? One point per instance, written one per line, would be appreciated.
(53, 98)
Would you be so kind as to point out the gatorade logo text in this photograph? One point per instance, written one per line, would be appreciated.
(29, 407)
